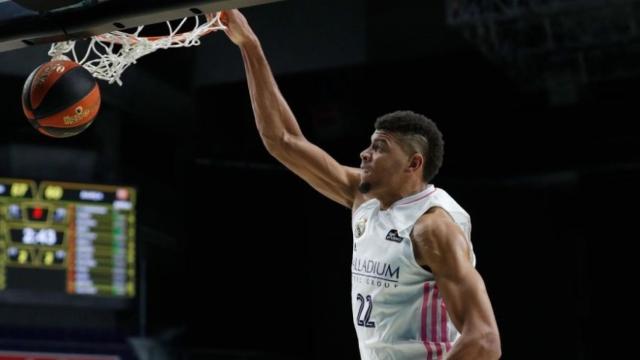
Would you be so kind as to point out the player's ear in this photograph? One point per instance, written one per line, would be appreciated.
(416, 161)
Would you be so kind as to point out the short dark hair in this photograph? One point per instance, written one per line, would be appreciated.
(418, 133)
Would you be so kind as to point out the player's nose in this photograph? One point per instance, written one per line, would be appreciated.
(365, 155)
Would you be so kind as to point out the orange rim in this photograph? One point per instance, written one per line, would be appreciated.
(134, 39)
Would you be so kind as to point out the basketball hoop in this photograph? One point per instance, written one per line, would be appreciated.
(117, 50)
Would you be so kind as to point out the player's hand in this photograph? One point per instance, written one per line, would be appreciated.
(238, 28)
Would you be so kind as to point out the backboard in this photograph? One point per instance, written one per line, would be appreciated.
(21, 27)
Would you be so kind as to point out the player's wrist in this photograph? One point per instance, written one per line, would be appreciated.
(251, 42)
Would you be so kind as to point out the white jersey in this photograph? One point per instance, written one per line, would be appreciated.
(398, 312)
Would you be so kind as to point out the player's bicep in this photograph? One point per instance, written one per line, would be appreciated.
(467, 300)
(319, 169)
(444, 248)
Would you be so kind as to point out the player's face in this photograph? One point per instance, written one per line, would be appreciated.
(381, 163)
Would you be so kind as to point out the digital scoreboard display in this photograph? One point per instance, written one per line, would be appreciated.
(64, 242)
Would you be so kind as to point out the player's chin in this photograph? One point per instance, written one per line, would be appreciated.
(364, 187)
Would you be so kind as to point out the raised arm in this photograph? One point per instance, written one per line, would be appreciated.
(278, 126)
(441, 245)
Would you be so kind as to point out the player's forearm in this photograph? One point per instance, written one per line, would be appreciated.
(476, 347)
(274, 118)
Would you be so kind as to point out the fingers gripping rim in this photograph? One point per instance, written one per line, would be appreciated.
(224, 18)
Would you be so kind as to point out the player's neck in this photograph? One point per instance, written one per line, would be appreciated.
(387, 200)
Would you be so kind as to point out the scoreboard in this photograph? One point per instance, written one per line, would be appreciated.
(67, 240)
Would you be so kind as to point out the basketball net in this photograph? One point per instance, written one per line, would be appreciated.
(117, 50)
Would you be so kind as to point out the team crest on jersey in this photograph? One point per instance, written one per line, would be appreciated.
(361, 225)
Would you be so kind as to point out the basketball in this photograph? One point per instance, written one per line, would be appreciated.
(60, 98)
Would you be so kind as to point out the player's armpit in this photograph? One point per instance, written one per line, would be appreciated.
(441, 245)
(318, 168)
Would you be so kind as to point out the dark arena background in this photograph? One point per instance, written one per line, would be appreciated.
(236, 258)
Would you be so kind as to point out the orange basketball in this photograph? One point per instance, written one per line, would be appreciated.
(61, 98)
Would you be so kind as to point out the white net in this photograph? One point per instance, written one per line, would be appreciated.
(109, 55)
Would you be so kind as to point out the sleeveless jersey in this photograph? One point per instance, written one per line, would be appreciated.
(398, 312)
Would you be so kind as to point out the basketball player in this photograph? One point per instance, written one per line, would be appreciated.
(415, 291)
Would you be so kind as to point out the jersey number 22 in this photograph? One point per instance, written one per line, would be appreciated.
(364, 320)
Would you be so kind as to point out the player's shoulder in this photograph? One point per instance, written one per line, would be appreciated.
(435, 228)
(434, 220)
